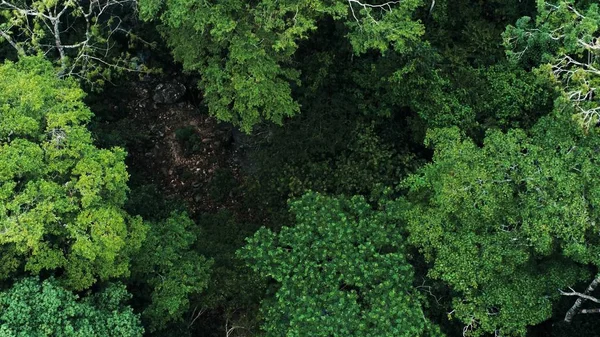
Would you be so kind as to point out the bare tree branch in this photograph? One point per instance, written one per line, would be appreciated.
(230, 329)
(38, 28)
(582, 297)
(590, 311)
(386, 7)
(7, 37)
(195, 315)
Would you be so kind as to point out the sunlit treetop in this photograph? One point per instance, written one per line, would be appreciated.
(60, 196)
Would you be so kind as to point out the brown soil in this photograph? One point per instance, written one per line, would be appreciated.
(163, 158)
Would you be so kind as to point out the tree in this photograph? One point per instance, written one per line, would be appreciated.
(340, 271)
(563, 39)
(234, 292)
(34, 308)
(81, 36)
(61, 198)
(171, 268)
(244, 51)
(507, 224)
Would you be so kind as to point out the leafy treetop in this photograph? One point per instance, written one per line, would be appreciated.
(341, 270)
(244, 50)
(61, 198)
(507, 224)
(36, 309)
(563, 42)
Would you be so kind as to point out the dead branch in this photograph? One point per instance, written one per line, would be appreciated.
(366, 7)
(582, 297)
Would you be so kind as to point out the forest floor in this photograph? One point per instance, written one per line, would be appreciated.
(189, 157)
(173, 145)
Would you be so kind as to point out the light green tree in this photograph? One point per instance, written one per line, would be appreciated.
(61, 198)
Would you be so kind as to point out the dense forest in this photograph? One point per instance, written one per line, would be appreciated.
(299, 168)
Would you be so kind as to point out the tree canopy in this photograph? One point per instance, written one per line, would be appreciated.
(244, 51)
(61, 197)
(303, 168)
(340, 269)
(34, 308)
(508, 223)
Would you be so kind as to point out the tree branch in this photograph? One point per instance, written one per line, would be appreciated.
(387, 7)
(590, 311)
(582, 297)
(7, 37)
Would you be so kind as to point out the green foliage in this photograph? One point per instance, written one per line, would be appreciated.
(87, 41)
(61, 198)
(341, 271)
(457, 75)
(506, 224)
(189, 140)
(222, 184)
(169, 266)
(244, 51)
(35, 309)
(468, 32)
(234, 290)
(563, 39)
(511, 97)
(364, 164)
(351, 137)
(430, 91)
(150, 203)
(314, 152)
(474, 99)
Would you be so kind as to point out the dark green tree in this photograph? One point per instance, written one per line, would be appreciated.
(340, 271)
(244, 50)
(36, 309)
(170, 268)
(508, 224)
